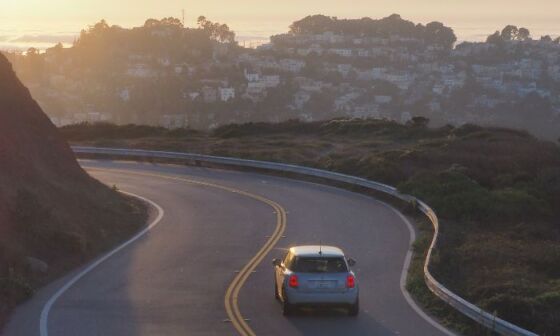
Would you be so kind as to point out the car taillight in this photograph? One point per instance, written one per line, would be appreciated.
(293, 282)
(350, 281)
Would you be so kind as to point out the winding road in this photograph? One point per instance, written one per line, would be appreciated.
(203, 268)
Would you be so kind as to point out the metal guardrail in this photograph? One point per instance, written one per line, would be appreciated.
(468, 309)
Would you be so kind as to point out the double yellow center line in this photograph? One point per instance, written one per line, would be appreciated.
(232, 293)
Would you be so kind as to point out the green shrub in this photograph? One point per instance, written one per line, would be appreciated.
(514, 205)
(14, 289)
(452, 194)
(550, 299)
(511, 307)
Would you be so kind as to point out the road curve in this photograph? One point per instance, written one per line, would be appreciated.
(174, 280)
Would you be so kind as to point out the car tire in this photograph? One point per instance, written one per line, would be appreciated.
(287, 307)
(354, 309)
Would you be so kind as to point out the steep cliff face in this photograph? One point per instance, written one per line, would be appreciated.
(53, 215)
(30, 147)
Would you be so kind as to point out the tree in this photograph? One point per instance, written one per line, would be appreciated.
(99, 28)
(215, 30)
(523, 34)
(437, 33)
(56, 50)
(509, 33)
(31, 52)
(34, 63)
(313, 24)
(512, 33)
(165, 22)
(151, 23)
(224, 34)
(419, 121)
(495, 38)
(171, 21)
(546, 38)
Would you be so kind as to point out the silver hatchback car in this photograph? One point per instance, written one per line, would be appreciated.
(315, 276)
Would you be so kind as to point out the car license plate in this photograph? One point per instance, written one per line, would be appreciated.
(325, 284)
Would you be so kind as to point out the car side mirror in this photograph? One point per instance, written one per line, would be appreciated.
(276, 262)
(351, 262)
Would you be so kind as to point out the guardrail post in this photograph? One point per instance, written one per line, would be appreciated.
(414, 204)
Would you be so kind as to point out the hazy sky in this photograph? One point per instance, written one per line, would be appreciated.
(263, 16)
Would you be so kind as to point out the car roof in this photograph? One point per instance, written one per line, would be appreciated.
(313, 251)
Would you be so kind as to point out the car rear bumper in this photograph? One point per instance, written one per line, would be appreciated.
(317, 298)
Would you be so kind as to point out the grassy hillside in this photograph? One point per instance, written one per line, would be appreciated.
(496, 191)
(53, 216)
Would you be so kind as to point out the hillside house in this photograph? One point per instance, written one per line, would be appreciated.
(227, 94)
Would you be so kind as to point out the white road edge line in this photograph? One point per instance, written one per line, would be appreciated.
(43, 322)
(404, 276)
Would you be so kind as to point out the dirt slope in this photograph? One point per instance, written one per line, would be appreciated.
(53, 216)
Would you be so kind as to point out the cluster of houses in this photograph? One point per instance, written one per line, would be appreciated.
(349, 70)
(396, 47)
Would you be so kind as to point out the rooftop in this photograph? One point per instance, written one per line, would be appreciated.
(313, 250)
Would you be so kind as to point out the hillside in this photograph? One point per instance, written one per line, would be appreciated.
(495, 190)
(53, 216)
(166, 74)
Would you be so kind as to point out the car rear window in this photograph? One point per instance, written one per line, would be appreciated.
(319, 265)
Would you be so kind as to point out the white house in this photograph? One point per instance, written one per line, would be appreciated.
(365, 75)
(291, 65)
(256, 91)
(303, 51)
(227, 94)
(300, 98)
(343, 103)
(358, 41)
(251, 76)
(438, 89)
(363, 52)
(124, 94)
(140, 70)
(178, 69)
(271, 81)
(344, 69)
(344, 52)
(191, 95)
(378, 73)
(366, 111)
(164, 61)
(383, 99)
(309, 84)
(255, 87)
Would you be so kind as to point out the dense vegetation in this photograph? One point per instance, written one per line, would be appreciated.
(512, 33)
(495, 190)
(393, 25)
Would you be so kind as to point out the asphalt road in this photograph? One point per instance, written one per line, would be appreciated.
(173, 280)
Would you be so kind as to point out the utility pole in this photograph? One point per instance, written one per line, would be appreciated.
(183, 12)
